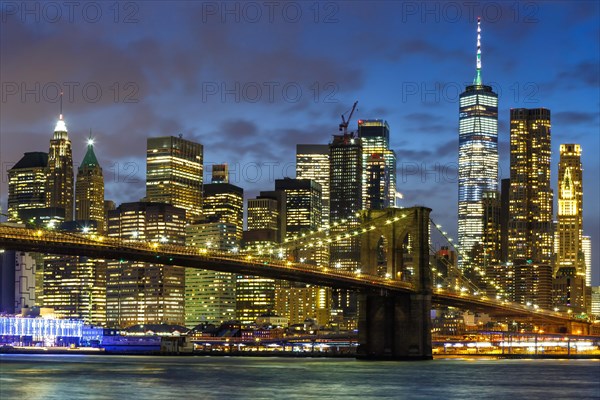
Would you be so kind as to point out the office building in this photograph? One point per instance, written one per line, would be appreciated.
(586, 244)
(255, 295)
(378, 164)
(59, 184)
(346, 173)
(27, 181)
(174, 168)
(89, 190)
(225, 202)
(477, 157)
(145, 293)
(530, 228)
(210, 295)
(312, 162)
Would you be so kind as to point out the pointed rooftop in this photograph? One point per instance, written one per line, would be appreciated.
(90, 160)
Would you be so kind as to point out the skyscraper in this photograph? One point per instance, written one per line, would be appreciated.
(89, 190)
(530, 227)
(587, 253)
(303, 204)
(59, 186)
(378, 164)
(27, 185)
(345, 169)
(530, 203)
(312, 162)
(477, 157)
(210, 295)
(255, 295)
(174, 168)
(145, 293)
(570, 257)
(225, 202)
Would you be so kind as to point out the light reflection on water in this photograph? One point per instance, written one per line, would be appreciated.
(147, 377)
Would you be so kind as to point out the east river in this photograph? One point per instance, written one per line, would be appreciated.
(70, 377)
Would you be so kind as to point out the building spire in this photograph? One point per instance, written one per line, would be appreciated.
(477, 80)
(60, 124)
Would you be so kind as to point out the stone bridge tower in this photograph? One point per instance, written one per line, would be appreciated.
(396, 326)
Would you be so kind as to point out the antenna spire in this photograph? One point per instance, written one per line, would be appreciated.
(61, 98)
(477, 80)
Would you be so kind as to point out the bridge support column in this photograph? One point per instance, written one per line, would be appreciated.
(395, 327)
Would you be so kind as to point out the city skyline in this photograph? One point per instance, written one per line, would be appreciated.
(572, 122)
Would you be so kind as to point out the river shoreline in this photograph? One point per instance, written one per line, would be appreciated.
(265, 354)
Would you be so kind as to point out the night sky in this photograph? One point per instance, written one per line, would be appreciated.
(250, 80)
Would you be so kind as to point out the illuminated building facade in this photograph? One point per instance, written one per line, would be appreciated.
(225, 202)
(297, 301)
(89, 190)
(595, 303)
(530, 203)
(255, 295)
(530, 226)
(533, 284)
(570, 257)
(346, 173)
(312, 162)
(27, 185)
(174, 168)
(303, 204)
(59, 184)
(378, 164)
(210, 295)
(145, 293)
(75, 287)
(477, 157)
(586, 245)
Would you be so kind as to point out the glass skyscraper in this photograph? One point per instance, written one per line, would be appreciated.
(174, 168)
(378, 164)
(478, 156)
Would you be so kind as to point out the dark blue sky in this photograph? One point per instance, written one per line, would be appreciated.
(250, 80)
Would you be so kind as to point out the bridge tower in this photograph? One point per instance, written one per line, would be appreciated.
(396, 326)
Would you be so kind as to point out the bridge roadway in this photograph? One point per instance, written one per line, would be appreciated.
(102, 247)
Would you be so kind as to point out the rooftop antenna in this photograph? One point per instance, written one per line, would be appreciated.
(478, 76)
(61, 98)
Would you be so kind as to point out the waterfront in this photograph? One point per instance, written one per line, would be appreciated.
(158, 377)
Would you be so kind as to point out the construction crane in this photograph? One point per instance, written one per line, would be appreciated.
(345, 122)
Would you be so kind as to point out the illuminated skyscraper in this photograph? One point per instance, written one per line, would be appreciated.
(530, 227)
(174, 168)
(210, 295)
(570, 257)
(255, 295)
(27, 185)
(477, 157)
(145, 293)
(312, 162)
(378, 164)
(89, 190)
(303, 204)
(59, 186)
(587, 253)
(345, 168)
(530, 203)
(225, 202)
(293, 300)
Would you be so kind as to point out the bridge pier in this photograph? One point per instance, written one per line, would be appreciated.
(397, 326)
(394, 327)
